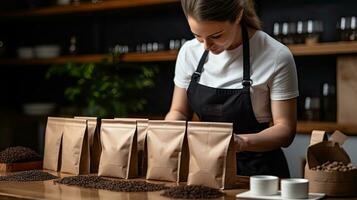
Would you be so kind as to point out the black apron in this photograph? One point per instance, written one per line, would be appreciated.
(234, 105)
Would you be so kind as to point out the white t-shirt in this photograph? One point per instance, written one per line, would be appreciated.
(273, 71)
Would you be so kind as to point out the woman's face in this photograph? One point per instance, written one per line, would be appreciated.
(216, 36)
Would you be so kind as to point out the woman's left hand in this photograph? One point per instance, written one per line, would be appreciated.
(239, 143)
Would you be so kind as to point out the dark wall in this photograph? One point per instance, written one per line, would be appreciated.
(328, 11)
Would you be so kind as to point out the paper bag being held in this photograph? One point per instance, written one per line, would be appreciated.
(212, 157)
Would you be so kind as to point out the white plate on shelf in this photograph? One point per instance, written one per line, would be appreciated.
(249, 195)
(39, 108)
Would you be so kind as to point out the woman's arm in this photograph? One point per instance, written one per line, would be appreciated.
(179, 109)
(281, 134)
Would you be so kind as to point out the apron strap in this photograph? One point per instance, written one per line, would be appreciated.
(197, 74)
(247, 82)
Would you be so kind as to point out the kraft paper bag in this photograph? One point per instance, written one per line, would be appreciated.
(95, 149)
(75, 147)
(119, 148)
(141, 128)
(53, 142)
(167, 151)
(212, 156)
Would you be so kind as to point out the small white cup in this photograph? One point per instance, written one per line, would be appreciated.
(295, 188)
(264, 185)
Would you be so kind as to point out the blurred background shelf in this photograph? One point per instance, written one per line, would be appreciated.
(308, 127)
(328, 48)
(129, 57)
(85, 7)
(57, 60)
(331, 48)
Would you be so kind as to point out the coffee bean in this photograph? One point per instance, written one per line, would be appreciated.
(192, 192)
(32, 175)
(96, 182)
(334, 166)
(18, 154)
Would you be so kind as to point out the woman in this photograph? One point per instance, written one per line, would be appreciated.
(234, 72)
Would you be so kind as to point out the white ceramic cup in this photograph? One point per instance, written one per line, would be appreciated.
(264, 185)
(295, 188)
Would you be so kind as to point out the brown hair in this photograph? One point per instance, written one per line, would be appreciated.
(222, 10)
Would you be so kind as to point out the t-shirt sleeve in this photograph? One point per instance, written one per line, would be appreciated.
(182, 73)
(284, 82)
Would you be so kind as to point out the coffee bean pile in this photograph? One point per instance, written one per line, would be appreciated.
(96, 182)
(192, 192)
(32, 175)
(334, 166)
(18, 154)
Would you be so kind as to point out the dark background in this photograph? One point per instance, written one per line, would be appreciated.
(96, 32)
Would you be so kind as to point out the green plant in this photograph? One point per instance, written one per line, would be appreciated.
(105, 89)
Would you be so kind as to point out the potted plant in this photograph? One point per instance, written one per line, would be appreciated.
(105, 89)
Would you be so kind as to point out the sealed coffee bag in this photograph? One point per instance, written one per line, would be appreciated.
(53, 142)
(95, 149)
(212, 156)
(167, 151)
(141, 128)
(119, 148)
(75, 147)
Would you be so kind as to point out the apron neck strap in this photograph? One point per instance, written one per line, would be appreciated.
(247, 82)
(197, 74)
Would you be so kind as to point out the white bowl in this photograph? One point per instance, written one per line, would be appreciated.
(25, 52)
(39, 108)
(47, 51)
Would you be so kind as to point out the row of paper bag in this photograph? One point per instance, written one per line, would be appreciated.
(200, 153)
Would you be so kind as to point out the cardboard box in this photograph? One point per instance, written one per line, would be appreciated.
(332, 183)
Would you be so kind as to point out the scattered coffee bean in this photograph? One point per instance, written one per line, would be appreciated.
(334, 166)
(18, 154)
(96, 182)
(192, 192)
(32, 175)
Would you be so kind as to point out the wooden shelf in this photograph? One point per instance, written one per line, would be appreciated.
(85, 7)
(170, 55)
(328, 48)
(308, 127)
(129, 57)
(58, 60)
(297, 50)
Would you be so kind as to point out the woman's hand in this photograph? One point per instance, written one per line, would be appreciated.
(239, 143)
(180, 109)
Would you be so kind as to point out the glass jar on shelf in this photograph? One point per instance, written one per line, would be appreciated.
(346, 28)
(311, 109)
(314, 31)
(301, 29)
(328, 102)
(277, 33)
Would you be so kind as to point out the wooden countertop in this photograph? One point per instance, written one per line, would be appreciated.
(50, 190)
